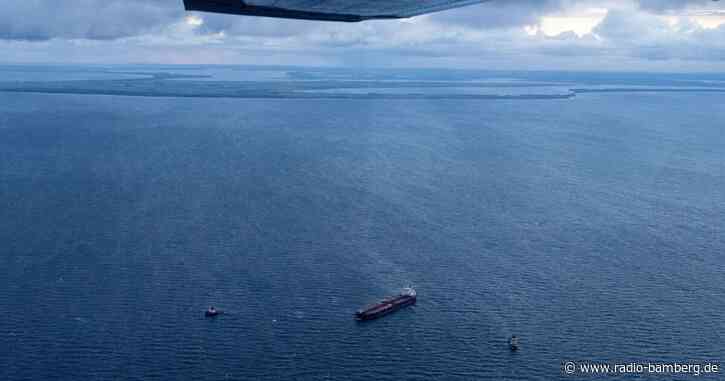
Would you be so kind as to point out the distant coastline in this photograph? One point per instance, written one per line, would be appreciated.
(336, 84)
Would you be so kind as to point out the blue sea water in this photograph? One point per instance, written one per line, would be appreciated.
(590, 227)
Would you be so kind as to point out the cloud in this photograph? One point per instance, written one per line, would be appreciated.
(653, 38)
(112, 19)
(672, 5)
(38, 20)
(500, 14)
(626, 26)
(255, 26)
(507, 33)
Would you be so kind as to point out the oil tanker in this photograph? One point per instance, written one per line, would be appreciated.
(391, 304)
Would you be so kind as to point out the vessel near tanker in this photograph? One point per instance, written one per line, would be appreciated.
(388, 305)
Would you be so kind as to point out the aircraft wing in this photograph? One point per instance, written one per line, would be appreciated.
(327, 10)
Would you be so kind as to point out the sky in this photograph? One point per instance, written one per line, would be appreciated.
(641, 35)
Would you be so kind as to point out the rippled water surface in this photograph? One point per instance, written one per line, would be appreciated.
(590, 227)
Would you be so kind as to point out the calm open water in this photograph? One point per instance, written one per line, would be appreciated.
(590, 227)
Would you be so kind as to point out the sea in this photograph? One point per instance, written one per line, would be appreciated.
(582, 212)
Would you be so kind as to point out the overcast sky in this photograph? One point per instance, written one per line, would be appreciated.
(662, 35)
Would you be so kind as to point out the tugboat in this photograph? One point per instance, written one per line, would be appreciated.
(514, 343)
(212, 312)
(407, 297)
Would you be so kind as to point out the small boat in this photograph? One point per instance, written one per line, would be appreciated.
(514, 343)
(212, 312)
